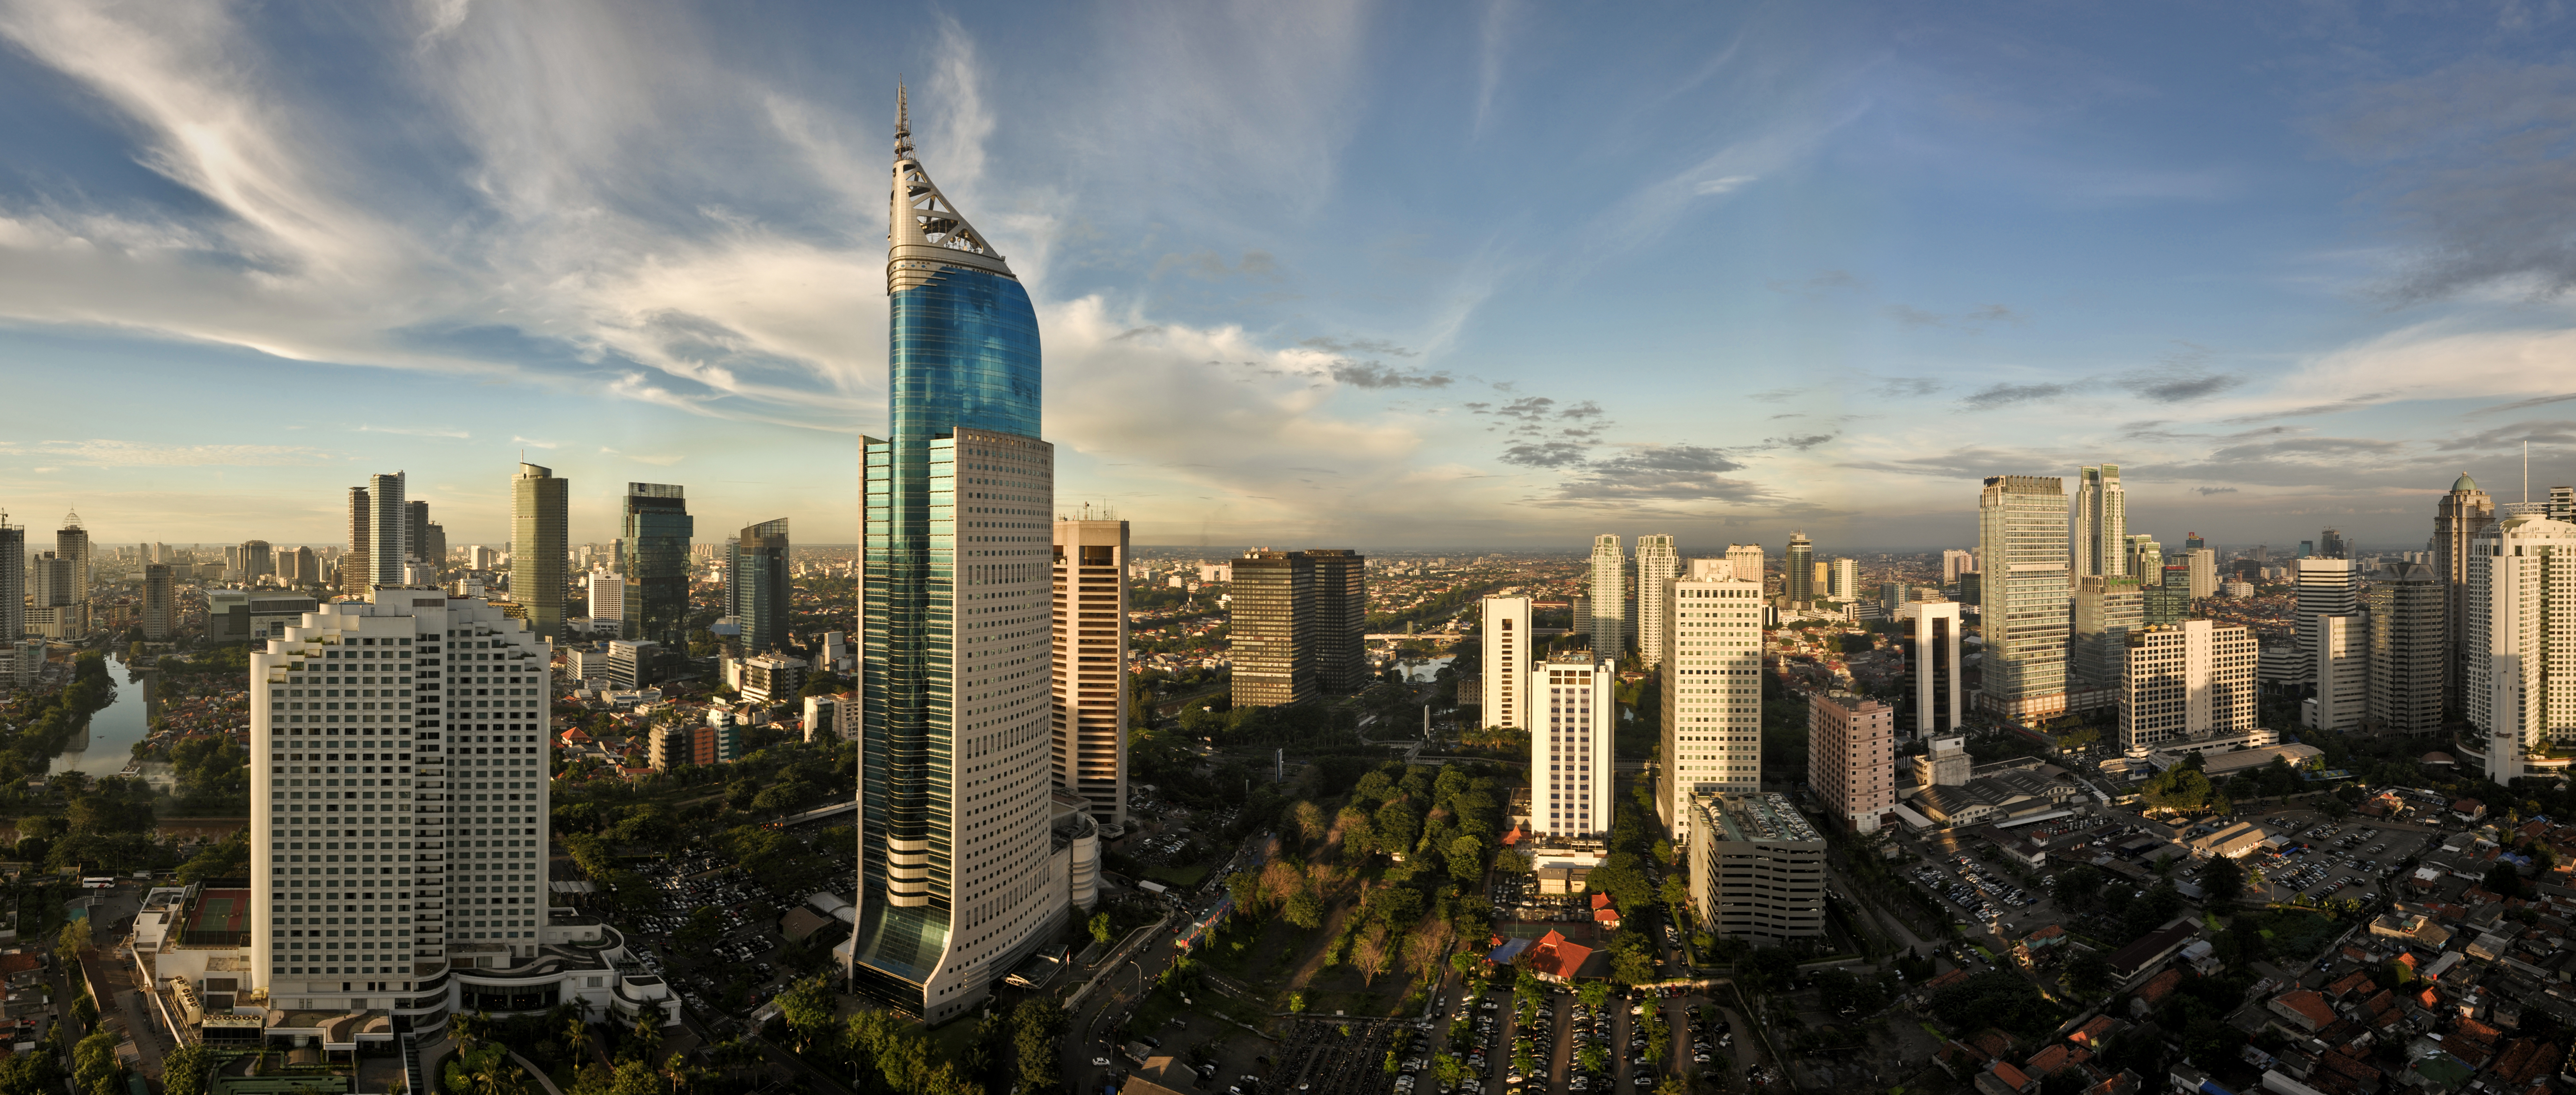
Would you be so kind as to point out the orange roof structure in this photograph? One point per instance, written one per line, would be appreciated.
(1555, 956)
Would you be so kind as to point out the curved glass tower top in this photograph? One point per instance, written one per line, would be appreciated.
(963, 339)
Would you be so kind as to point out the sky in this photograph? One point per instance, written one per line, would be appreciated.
(1318, 274)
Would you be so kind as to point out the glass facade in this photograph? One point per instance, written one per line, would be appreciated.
(758, 581)
(656, 532)
(963, 354)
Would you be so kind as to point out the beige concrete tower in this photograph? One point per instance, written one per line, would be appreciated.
(1090, 664)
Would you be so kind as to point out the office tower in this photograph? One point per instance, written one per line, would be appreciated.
(1851, 757)
(2408, 608)
(2520, 608)
(1842, 580)
(1930, 696)
(1757, 867)
(2339, 667)
(655, 538)
(607, 601)
(259, 560)
(2458, 518)
(2307, 549)
(1799, 572)
(2106, 610)
(1340, 620)
(2146, 559)
(2022, 551)
(479, 557)
(156, 602)
(953, 892)
(759, 588)
(50, 584)
(1269, 631)
(1657, 564)
(2331, 545)
(537, 540)
(1712, 709)
(633, 663)
(445, 911)
(354, 565)
(1746, 561)
(1955, 562)
(2325, 588)
(1610, 630)
(2194, 679)
(2098, 524)
(2562, 503)
(1571, 778)
(1507, 649)
(2204, 573)
(13, 582)
(2170, 601)
(71, 544)
(388, 530)
(1090, 644)
(2191, 541)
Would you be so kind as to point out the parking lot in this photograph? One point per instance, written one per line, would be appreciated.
(743, 953)
(2330, 862)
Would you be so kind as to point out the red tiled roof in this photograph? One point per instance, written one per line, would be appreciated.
(1601, 901)
(1946, 980)
(2047, 1060)
(1554, 954)
(2098, 1031)
(2159, 987)
(2308, 1004)
(2007, 1073)
(2525, 1060)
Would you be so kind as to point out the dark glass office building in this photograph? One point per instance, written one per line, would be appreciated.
(959, 876)
(757, 585)
(655, 562)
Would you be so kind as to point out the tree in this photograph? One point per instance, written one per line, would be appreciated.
(2088, 974)
(1037, 1024)
(705, 925)
(1100, 924)
(2223, 881)
(1372, 953)
(74, 940)
(1593, 994)
(1304, 909)
(184, 1071)
(808, 1007)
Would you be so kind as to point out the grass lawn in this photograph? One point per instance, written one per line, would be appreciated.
(1178, 876)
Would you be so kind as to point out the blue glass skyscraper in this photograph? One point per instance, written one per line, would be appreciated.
(959, 877)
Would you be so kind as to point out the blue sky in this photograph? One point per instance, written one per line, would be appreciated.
(1506, 274)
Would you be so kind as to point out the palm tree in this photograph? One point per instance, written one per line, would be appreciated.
(647, 1035)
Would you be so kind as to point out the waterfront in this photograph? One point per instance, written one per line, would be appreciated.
(109, 745)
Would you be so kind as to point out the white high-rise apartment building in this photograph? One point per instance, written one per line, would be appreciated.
(2204, 573)
(1571, 773)
(2098, 526)
(1746, 560)
(2325, 587)
(1091, 664)
(2192, 679)
(1955, 562)
(1508, 648)
(1842, 579)
(608, 600)
(2518, 657)
(1610, 630)
(2339, 656)
(1933, 673)
(1657, 563)
(2022, 549)
(399, 820)
(1712, 732)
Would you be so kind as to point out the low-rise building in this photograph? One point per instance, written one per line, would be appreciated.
(1757, 867)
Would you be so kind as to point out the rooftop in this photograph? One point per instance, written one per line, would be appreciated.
(1761, 816)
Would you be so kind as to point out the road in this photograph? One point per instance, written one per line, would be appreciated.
(1093, 1029)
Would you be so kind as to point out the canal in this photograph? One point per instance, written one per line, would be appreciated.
(109, 746)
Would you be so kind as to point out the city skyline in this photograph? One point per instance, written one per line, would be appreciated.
(2041, 231)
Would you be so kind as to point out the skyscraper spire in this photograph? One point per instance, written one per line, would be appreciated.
(902, 123)
(924, 231)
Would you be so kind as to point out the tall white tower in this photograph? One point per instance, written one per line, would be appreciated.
(1712, 731)
(1507, 649)
(1657, 563)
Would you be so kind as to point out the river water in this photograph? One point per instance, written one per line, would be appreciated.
(113, 730)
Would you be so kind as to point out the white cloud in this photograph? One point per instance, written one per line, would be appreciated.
(110, 453)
